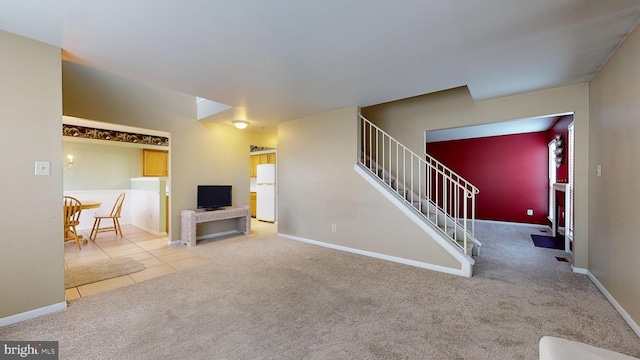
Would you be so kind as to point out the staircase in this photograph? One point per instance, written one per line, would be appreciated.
(434, 192)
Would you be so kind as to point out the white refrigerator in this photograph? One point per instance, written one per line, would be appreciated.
(266, 194)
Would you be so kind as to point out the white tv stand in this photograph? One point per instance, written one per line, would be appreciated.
(190, 218)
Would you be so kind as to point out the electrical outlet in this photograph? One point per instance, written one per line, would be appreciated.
(530, 212)
(333, 227)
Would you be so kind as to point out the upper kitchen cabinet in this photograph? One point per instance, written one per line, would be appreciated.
(155, 163)
(255, 161)
(259, 159)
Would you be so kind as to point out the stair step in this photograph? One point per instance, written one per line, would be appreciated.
(440, 221)
(470, 247)
(434, 216)
(386, 178)
(451, 232)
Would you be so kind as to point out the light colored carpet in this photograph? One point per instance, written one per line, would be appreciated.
(100, 270)
(264, 297)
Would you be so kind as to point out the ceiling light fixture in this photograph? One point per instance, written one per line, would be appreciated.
(240, 124)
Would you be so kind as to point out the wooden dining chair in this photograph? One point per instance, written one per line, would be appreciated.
(71, 215)
(114, 215)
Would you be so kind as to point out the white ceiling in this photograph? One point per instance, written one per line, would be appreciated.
(284, 59)
(520, 126)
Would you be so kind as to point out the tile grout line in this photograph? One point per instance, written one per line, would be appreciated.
(126, 241)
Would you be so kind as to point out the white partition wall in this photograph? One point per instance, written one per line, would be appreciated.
(148, 204)
(144, 205)
(107, 198)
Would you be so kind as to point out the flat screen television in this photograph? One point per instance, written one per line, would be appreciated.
(213, 197)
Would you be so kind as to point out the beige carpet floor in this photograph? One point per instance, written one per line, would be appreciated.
(264, 297)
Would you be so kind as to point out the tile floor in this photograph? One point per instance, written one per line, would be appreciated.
(158, 257)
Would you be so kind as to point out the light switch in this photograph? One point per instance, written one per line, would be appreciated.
(43, 168)
(598, 170)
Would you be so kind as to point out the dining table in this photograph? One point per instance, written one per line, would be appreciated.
(90, 204)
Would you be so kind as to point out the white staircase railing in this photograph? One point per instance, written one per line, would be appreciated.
(437, 193)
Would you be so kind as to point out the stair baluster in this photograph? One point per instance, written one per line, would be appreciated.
(446, 200)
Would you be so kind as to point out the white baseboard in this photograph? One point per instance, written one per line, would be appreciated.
(625, 315)
(32, 313)
(578, 270)
(395, 259)
(154, 232)
(466, 261)
(513, 223)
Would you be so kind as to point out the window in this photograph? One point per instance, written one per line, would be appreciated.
(552, 180)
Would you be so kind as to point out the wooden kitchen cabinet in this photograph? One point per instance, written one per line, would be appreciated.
(252, 203)
(254, 164)
(155, 163)
(267, 158)
(260, 159)
(271, 158)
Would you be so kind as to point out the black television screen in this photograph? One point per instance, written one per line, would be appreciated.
(212, 197)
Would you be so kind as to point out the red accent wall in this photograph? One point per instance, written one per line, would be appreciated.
(511, 172)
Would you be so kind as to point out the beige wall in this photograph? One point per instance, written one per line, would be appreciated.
(100, 166)
(205, 153)
(200, 152)
(31, 245)
(408, 119)
(614, 247)
(102, 96)
(318, 187)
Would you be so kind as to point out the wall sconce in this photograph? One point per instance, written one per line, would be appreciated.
(240, 124)
(559, 142)
(69, 162)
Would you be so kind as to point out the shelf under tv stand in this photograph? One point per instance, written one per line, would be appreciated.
(190, 218)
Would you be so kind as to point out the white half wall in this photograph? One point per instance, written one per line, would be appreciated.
(148, 204)
(107, 198)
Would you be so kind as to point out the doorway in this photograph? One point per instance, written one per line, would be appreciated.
(512, 160)
(262, 183)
